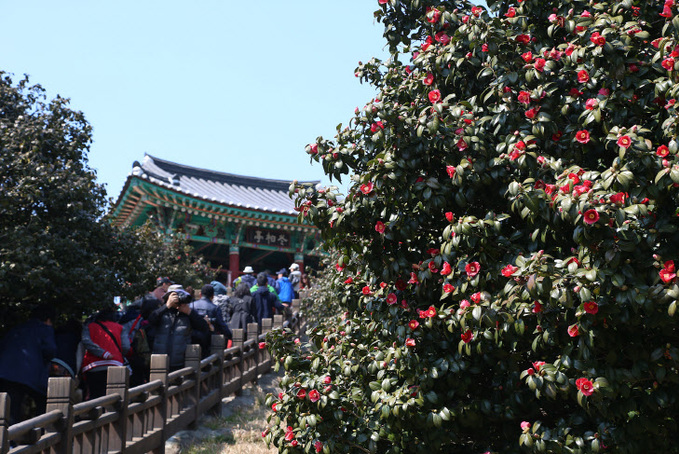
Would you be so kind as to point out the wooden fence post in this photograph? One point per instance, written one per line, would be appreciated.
(217, 346)
(192, 360)
(277, 321)
(238, 340)
(267, 324)
(60, 396)
(4, 422)
(118, 382)
(253, 333)
(160, 365)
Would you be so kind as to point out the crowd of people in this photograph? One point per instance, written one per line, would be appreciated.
(164, 321)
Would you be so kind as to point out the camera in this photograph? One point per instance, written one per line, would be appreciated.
(184, 298)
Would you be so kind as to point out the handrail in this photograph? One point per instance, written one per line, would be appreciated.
(140, 419)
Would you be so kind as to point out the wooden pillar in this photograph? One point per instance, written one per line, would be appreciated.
(253, 333)
(192, 360)
(234, 262)
(217, 346)
(4, 422)
(160, 365)
(238, 337)
(118, 382)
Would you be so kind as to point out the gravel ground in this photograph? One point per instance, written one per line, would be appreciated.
(237, 429)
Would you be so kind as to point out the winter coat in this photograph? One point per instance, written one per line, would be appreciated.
(173, 332)
(295, 279)
(285, 293)
(247, 278)
(98, 343)
(265, 300)
(206, 307)
(244, 312)
(25, 354)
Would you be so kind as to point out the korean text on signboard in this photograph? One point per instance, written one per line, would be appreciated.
(267, 237)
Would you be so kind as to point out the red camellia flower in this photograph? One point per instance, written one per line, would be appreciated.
(523, 39)
(464, 304)
(584, 386)
(508, 270)
(538, 364)
(413, 278)
(591, 103)
(413, 324)
(382, 2)
(591, 307)
(662, 151)
(524, 97)
(379, 227)
(573, 331)
(273, 406)
(537, 307)
(318, 446)
(540, 64)
(451, 171)
(527, 56)
(591, 216)
(667, 274)
(432, 267)
(314, 395)
(392, 299)
(367, 188)
(433, 15)
(448, 288)
(434, 96)
(624, 142)
(446, 269)
(467, 336)
(431, 312)
(511, 12)
(582, 136)
(400, 284)
(461, 145)
(294, 443)
(366, 290)
(668, 64)
(349, 280)
(262, 345)
(449, 216)
(618, 198)
(472, 269)
(583, 76)
(476, 297)
(598, 39)
(410, 342)
(327, 379)
(301, 394)
(428, 79)
(531, 113)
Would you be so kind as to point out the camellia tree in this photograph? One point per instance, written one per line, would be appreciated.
(508, 242)
(56, 246)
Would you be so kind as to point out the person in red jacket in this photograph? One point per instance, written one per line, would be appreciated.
(104, 347)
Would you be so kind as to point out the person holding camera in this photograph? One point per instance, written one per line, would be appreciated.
(174, 322)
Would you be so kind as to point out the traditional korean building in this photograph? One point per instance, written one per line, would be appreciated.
(233, 221)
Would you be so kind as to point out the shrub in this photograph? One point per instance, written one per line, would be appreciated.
(507, 244)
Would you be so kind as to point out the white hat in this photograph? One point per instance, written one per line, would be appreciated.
(294, 267)
(248, 269)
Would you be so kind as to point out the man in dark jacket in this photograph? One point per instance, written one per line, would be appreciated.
(211, 313)
(174, 322)
(265, 298)
(25, 356)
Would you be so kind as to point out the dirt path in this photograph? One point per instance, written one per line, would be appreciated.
(238, 429)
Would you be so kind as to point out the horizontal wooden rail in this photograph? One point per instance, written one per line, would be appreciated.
(140, 420)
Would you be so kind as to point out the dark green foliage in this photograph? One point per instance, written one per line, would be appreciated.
(55, 246)
(507, 246)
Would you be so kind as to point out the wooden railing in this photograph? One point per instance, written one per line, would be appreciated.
(141, 419)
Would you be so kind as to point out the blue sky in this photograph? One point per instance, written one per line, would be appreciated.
(238, 87)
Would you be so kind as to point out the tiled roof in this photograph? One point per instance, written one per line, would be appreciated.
(219, 187)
